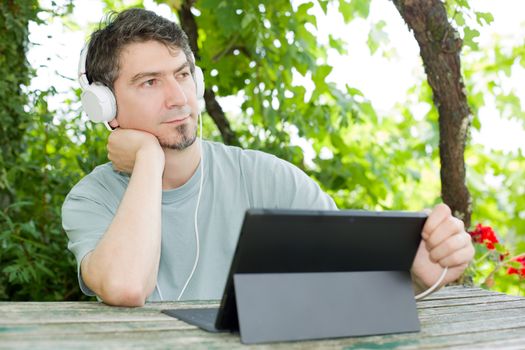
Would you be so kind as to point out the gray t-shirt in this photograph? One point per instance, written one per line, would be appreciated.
(234, 181)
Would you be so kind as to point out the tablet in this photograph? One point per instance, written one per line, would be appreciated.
(306, 241)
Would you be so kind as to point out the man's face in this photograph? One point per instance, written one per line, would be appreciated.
(155, 92)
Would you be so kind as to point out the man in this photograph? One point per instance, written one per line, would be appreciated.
(131, 222)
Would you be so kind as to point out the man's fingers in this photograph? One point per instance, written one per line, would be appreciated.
(440, 213)
(113, 123)
(459, 258)
(448, 227)
(449, 246)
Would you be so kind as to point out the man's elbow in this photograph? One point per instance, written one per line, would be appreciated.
(123, 294)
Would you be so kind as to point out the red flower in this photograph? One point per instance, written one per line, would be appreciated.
(484, 235)
(519, 271)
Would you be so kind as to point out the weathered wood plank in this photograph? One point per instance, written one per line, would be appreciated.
(458, 327)
(461, 309)
(54, 311)
(69, 312)
(158, 321)
(508, 344)
(197, 339)
(32, 306)
(468, 301)
(459, 291)
(473, 314)
(72, 329)
(472, 341)
(452, 317)
(90, 312)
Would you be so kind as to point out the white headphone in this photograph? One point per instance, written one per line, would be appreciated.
(98, 100)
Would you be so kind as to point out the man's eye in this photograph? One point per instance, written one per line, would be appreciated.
(150, 82)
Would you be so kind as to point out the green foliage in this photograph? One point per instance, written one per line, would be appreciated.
(350, 9)
(465, 18)
(35, 264)
(38, 164)
(504, 210)
(15, 72)
(277, 45)
(492, 269)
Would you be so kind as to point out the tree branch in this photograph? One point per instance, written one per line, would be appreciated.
(189, 25)
(215, 110)
(440, 46)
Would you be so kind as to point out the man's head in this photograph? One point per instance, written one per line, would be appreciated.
(124, 28)
(146, 61)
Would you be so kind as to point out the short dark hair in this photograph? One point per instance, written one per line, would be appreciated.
(130, 26)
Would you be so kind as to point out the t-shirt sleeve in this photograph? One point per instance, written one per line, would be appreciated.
(85, 218)
(276, 183)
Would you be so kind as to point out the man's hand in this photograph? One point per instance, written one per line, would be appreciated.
(445, 244)
(125, 145)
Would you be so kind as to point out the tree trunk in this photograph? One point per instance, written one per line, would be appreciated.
(440, 46)
(189, 25)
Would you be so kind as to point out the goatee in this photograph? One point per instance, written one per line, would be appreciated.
(187, 138)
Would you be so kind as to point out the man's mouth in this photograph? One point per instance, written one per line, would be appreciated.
(176, 120)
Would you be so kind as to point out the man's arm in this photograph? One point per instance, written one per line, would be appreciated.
(122, 269)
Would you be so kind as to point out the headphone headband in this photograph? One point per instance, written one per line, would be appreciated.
(82, 73)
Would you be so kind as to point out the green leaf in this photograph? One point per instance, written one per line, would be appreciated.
(302, 10)
(460, 20)
(247, 20)
(368, 111)
(346, 10)
(319, 78)
(515, 264)
(377, 36)
(324, 5)
(354, 8)
(484, 18)
(463, 3)
(500, 248)
(337, 44)
(468, 39)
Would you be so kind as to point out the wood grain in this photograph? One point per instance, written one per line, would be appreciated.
(453, 317)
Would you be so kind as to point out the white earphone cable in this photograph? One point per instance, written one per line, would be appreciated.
(434, 286)
(196, 212)
(201, 165)
(158, 290)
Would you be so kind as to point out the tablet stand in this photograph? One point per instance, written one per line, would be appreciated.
(297, 306)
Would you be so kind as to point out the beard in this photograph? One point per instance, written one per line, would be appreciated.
(186, 136)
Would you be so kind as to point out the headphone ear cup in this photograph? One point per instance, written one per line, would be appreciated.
(99, 103)
(199, 82)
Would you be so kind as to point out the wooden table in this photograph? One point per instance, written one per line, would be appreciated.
(455, 317)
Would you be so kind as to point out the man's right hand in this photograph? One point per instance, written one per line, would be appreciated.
(126, 145)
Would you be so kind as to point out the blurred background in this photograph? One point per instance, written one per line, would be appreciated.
(337, 87)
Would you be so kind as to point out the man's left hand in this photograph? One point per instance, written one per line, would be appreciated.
(444, 244)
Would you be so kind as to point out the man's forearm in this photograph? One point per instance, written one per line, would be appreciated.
(122, 270)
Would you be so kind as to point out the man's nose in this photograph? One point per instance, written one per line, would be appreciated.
(175, 95)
